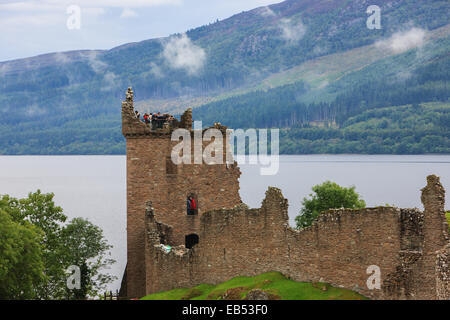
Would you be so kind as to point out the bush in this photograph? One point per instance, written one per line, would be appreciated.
(328, 195)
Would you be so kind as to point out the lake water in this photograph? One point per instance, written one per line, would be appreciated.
(94, 187)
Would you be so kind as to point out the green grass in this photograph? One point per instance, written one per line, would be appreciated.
(273, 283)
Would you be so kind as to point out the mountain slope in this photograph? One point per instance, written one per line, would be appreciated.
(344, 84)
(70, 102)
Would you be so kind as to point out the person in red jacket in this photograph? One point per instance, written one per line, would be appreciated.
(191, 205)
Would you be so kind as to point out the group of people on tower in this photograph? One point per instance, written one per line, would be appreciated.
(157, 120)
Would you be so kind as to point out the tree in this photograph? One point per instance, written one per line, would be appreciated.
(40, 210)
(78, 243)
(83, 245)
(328, 195)
(21, 264)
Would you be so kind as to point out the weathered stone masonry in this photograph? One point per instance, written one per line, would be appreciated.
(411, 247)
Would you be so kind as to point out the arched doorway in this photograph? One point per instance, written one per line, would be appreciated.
(191, 240)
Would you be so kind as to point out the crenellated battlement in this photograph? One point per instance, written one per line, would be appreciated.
(135, 128)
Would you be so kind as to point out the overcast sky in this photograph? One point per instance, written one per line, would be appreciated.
(32, 27)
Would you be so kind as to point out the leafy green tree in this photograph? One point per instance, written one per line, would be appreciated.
(40, 210)
(78, 243)
(21, 264)
(83, 245)
(328, 195)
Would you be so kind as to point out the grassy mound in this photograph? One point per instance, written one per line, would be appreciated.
(277, 286)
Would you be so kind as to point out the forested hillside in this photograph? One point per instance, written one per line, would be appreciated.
(308, 67)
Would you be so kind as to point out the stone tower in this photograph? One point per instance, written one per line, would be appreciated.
(153, 178)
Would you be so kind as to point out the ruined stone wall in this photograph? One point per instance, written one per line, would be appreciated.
(149, 179)
(340, 247)
(435, 229)
(337, 249)
(443, 274)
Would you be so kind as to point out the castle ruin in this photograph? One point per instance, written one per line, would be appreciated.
(225, 238)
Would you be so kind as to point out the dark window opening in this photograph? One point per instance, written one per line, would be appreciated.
(171, 168)
(191, 240)
(192, 205)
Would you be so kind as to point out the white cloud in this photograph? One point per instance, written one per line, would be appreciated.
(110, 77)
(323, 84)
(128, 13)
(62, 57)
(50, 12)
(110, 81)
(34, 110)
(93, 11)
(181, 53)
(4, 68)
(34, 20)
(156, 70)
(122, 3)
(292, 31)
(403, 41)
(23, 6)
(266, 12)
(40, 13)
(97, 65)
(320, 50)
(55, 5)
